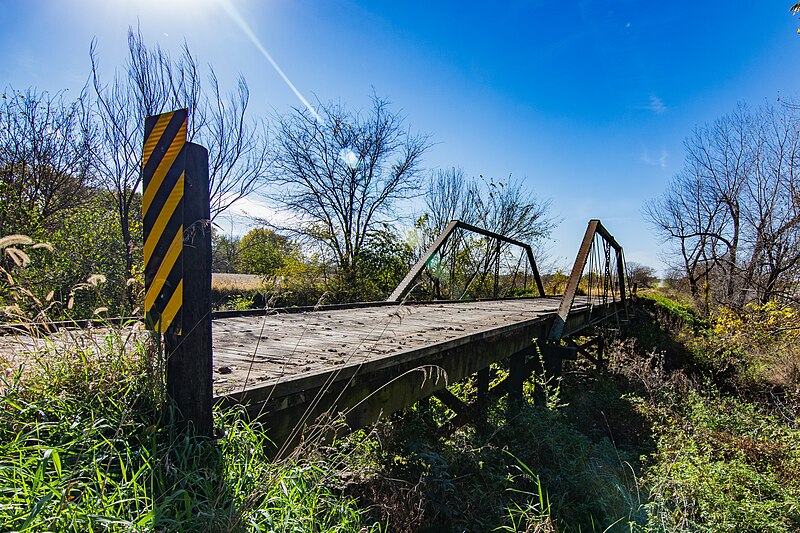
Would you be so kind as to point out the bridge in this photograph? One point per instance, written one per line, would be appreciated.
(295, 368)
(298, 368)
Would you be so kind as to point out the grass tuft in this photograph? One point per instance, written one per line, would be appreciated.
(84, 447)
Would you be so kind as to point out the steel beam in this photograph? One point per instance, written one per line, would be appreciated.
(594, 228)
(408, 281)
(572, 284)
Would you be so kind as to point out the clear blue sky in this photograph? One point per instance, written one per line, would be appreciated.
(588, 102)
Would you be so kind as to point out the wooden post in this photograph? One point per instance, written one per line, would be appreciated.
(483, 379)
(189, 357)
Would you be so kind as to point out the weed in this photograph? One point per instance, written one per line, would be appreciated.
(724, 465)
(83, 449)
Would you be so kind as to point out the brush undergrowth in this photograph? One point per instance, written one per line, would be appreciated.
(522, 468)
(691, 426)
(723, 464)
(653, 441)
(726, 430)
(640, 445)
(86, 442)
(83, 447)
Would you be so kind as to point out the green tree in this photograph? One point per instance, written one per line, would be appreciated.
(385, 261)
(263, 252)
(224, 252)
(83, 245)
(300, 281)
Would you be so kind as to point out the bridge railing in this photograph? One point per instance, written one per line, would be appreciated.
(598, 277)
(444, 262)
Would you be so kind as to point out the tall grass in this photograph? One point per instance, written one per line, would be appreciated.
(83, 448)
(644, 445)
(86, 443)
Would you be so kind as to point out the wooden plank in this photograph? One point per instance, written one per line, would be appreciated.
(366, 391)
(356, 335)
(363, 336)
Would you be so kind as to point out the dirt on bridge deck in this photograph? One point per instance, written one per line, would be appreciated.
(253, 351)
(256, 351)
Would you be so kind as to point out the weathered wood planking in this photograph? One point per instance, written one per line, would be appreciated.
(369, 362)
(366, 362)
(268, 349)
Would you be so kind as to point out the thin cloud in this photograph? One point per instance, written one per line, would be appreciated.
(656, 105)
(659, 161)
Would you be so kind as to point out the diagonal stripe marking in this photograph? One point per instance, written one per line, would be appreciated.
(155, 136)
(164, 269)
(163, 219)
(163, 167)
(172, 308)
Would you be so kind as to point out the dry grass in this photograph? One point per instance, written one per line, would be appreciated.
(235, 282)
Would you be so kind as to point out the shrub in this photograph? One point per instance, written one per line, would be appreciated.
(724, 465)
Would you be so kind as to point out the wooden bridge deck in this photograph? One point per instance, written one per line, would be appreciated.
(370, 361)
(255, 351)
(365, 361)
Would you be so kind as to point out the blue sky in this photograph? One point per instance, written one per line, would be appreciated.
(588, 102)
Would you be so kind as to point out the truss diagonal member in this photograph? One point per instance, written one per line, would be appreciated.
(407, 284)
(408, 281)
(594, 228)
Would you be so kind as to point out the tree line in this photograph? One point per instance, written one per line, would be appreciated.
(732, 214)
(70, 175)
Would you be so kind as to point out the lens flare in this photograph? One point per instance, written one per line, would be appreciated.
(250, 34)
(349, 157)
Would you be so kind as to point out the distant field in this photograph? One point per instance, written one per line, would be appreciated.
(235, 282)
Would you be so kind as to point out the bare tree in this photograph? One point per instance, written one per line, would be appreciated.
(641, 275)
(152, 83)
(772, 207)
(340, 175)
(733, 211)
(504, 207)
(684, 217)
(45, 144)
(450, 195)
(508, 208)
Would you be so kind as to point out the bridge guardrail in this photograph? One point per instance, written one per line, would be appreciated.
(587, 254)
(407, 284)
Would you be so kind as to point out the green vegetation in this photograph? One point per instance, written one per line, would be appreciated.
(671, 440)
(691, 425)
(723, 464)
(84, 447)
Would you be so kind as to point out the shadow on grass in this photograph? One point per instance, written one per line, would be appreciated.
(573, 465)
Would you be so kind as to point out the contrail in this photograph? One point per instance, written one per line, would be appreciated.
(237, 18)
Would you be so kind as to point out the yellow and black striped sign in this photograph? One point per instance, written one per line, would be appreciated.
(163, 165)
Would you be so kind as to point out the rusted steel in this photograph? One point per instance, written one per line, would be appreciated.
(407, 284)
(594, 228)
(574, 278)
(535, 270)
(621, 275)
(416, 270)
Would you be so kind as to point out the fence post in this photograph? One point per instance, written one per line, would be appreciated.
(189, 363)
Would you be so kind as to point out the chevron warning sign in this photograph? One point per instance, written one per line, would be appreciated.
(163, 165)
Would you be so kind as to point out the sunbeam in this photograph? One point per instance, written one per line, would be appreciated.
(239, 20)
